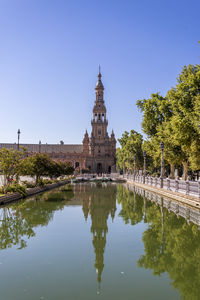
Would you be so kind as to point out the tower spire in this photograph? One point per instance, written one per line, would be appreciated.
(99, 84)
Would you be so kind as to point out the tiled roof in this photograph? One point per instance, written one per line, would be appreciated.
(46, 148)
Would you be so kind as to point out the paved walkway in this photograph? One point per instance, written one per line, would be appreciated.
(189, 200)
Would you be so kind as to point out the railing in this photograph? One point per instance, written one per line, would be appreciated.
(187, 187)
(94, 175)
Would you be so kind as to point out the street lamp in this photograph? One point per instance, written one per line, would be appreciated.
(134, 157)
(144, 154)
(18, 137)
(162, 164)
(39, 146)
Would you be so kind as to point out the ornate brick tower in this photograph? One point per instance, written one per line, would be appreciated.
(100, 149)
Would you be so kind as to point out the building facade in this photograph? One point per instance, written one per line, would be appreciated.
(97, 153)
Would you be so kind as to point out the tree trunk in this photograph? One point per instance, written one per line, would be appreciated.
(172, 169)
(4, 180)
(185, 170)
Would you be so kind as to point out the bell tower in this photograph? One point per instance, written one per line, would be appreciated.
(99, 122)
(101, 146)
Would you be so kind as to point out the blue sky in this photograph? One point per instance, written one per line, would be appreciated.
(49, 56)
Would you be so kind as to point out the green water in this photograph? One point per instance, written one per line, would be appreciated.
(96, 242)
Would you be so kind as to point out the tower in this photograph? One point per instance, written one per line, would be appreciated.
(101, 147)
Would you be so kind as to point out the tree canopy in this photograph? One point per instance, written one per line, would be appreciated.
(175, 120)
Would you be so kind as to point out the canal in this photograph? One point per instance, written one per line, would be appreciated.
(97, 241)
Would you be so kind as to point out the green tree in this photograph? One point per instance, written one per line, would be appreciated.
(175, 119)
(59, 168)
(185, 102)
(37, 165)
(9, 163)
(157, 113)
(131, 144)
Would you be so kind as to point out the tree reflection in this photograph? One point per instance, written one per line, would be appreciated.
(100, 203)
(17, 221)
(133, 209)
(171, 244)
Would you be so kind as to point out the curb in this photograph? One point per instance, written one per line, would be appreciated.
(32, 191)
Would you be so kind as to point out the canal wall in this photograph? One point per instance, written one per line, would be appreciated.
(191, 214)
(30, 192)
(185, 199)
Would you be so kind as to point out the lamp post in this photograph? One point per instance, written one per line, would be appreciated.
(144, 154)
(18, 137)
(39, 146)
(162, 164)
(134, 158)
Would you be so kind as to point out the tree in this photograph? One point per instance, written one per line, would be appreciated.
(9, 163)
(59, 168)
(155, 110)
(157, 113)
(36, 165)
(185, 102)
(175, 119)
(131, 144)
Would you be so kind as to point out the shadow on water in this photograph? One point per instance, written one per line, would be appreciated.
(171, 244)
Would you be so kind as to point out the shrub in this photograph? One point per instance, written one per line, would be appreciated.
(13, 188)
(28, 184)
(47, 181)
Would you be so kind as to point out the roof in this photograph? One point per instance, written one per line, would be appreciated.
(46, 148)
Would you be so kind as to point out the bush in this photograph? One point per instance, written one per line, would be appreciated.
(13, 188)
(47, 181)
(40, 182)
(28, 184)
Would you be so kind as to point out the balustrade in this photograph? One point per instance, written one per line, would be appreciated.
(181, 186)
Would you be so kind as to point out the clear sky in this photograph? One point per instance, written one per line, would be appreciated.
(49, 56)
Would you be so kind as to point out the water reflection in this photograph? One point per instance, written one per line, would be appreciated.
(100, 203)
(17, 221)
(170, 244)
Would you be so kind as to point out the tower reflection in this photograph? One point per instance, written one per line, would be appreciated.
(100, 204)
